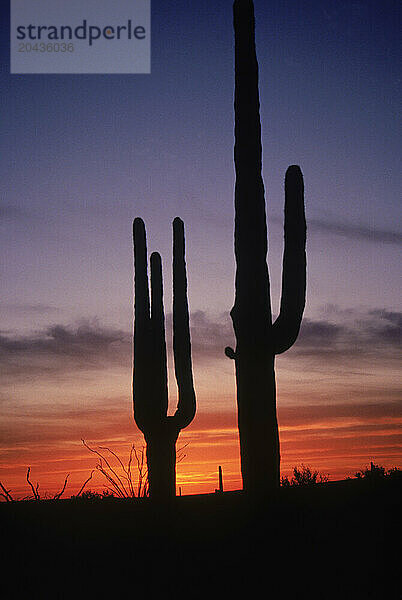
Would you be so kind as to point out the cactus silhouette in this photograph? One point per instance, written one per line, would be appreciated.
(150, 381)
(258, 340)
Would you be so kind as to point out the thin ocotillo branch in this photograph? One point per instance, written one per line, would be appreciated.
(59, 494)
(107, 475)
(123, 484)
(126, 477)
(142, 474)
(120, 488)
(34, 489)
(6, 493)
(130, 482)
(85, 482)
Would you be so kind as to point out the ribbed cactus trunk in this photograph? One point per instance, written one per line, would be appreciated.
(150, 382)
(257, 338)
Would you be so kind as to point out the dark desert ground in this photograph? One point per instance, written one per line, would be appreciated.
(330, 540)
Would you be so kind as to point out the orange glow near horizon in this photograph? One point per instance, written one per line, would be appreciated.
(337, 446)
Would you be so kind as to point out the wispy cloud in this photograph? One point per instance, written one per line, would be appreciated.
(60, 349)
(25, 308)
(340, 336)
(24, 423)
(356, 232)
(359, 335)
(349, 230)
(321, 413)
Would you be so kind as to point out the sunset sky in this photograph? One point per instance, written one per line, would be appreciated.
(83, 155)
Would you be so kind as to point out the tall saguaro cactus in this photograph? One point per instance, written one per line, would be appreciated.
(150, 382)
(258, 340)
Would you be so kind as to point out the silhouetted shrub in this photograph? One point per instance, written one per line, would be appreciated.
(90, 495)
(304, 476)
(378, 473)
(395, 474)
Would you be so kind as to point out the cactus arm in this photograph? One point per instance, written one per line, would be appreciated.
(186, 406)
(142, 349)
(286, 327)
(159, 399)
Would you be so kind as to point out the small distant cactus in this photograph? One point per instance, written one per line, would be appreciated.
(150, 384)
(258, 340)
(220, 479)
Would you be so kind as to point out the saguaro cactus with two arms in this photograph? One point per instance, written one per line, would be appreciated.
(258, 340)
(150, 382)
